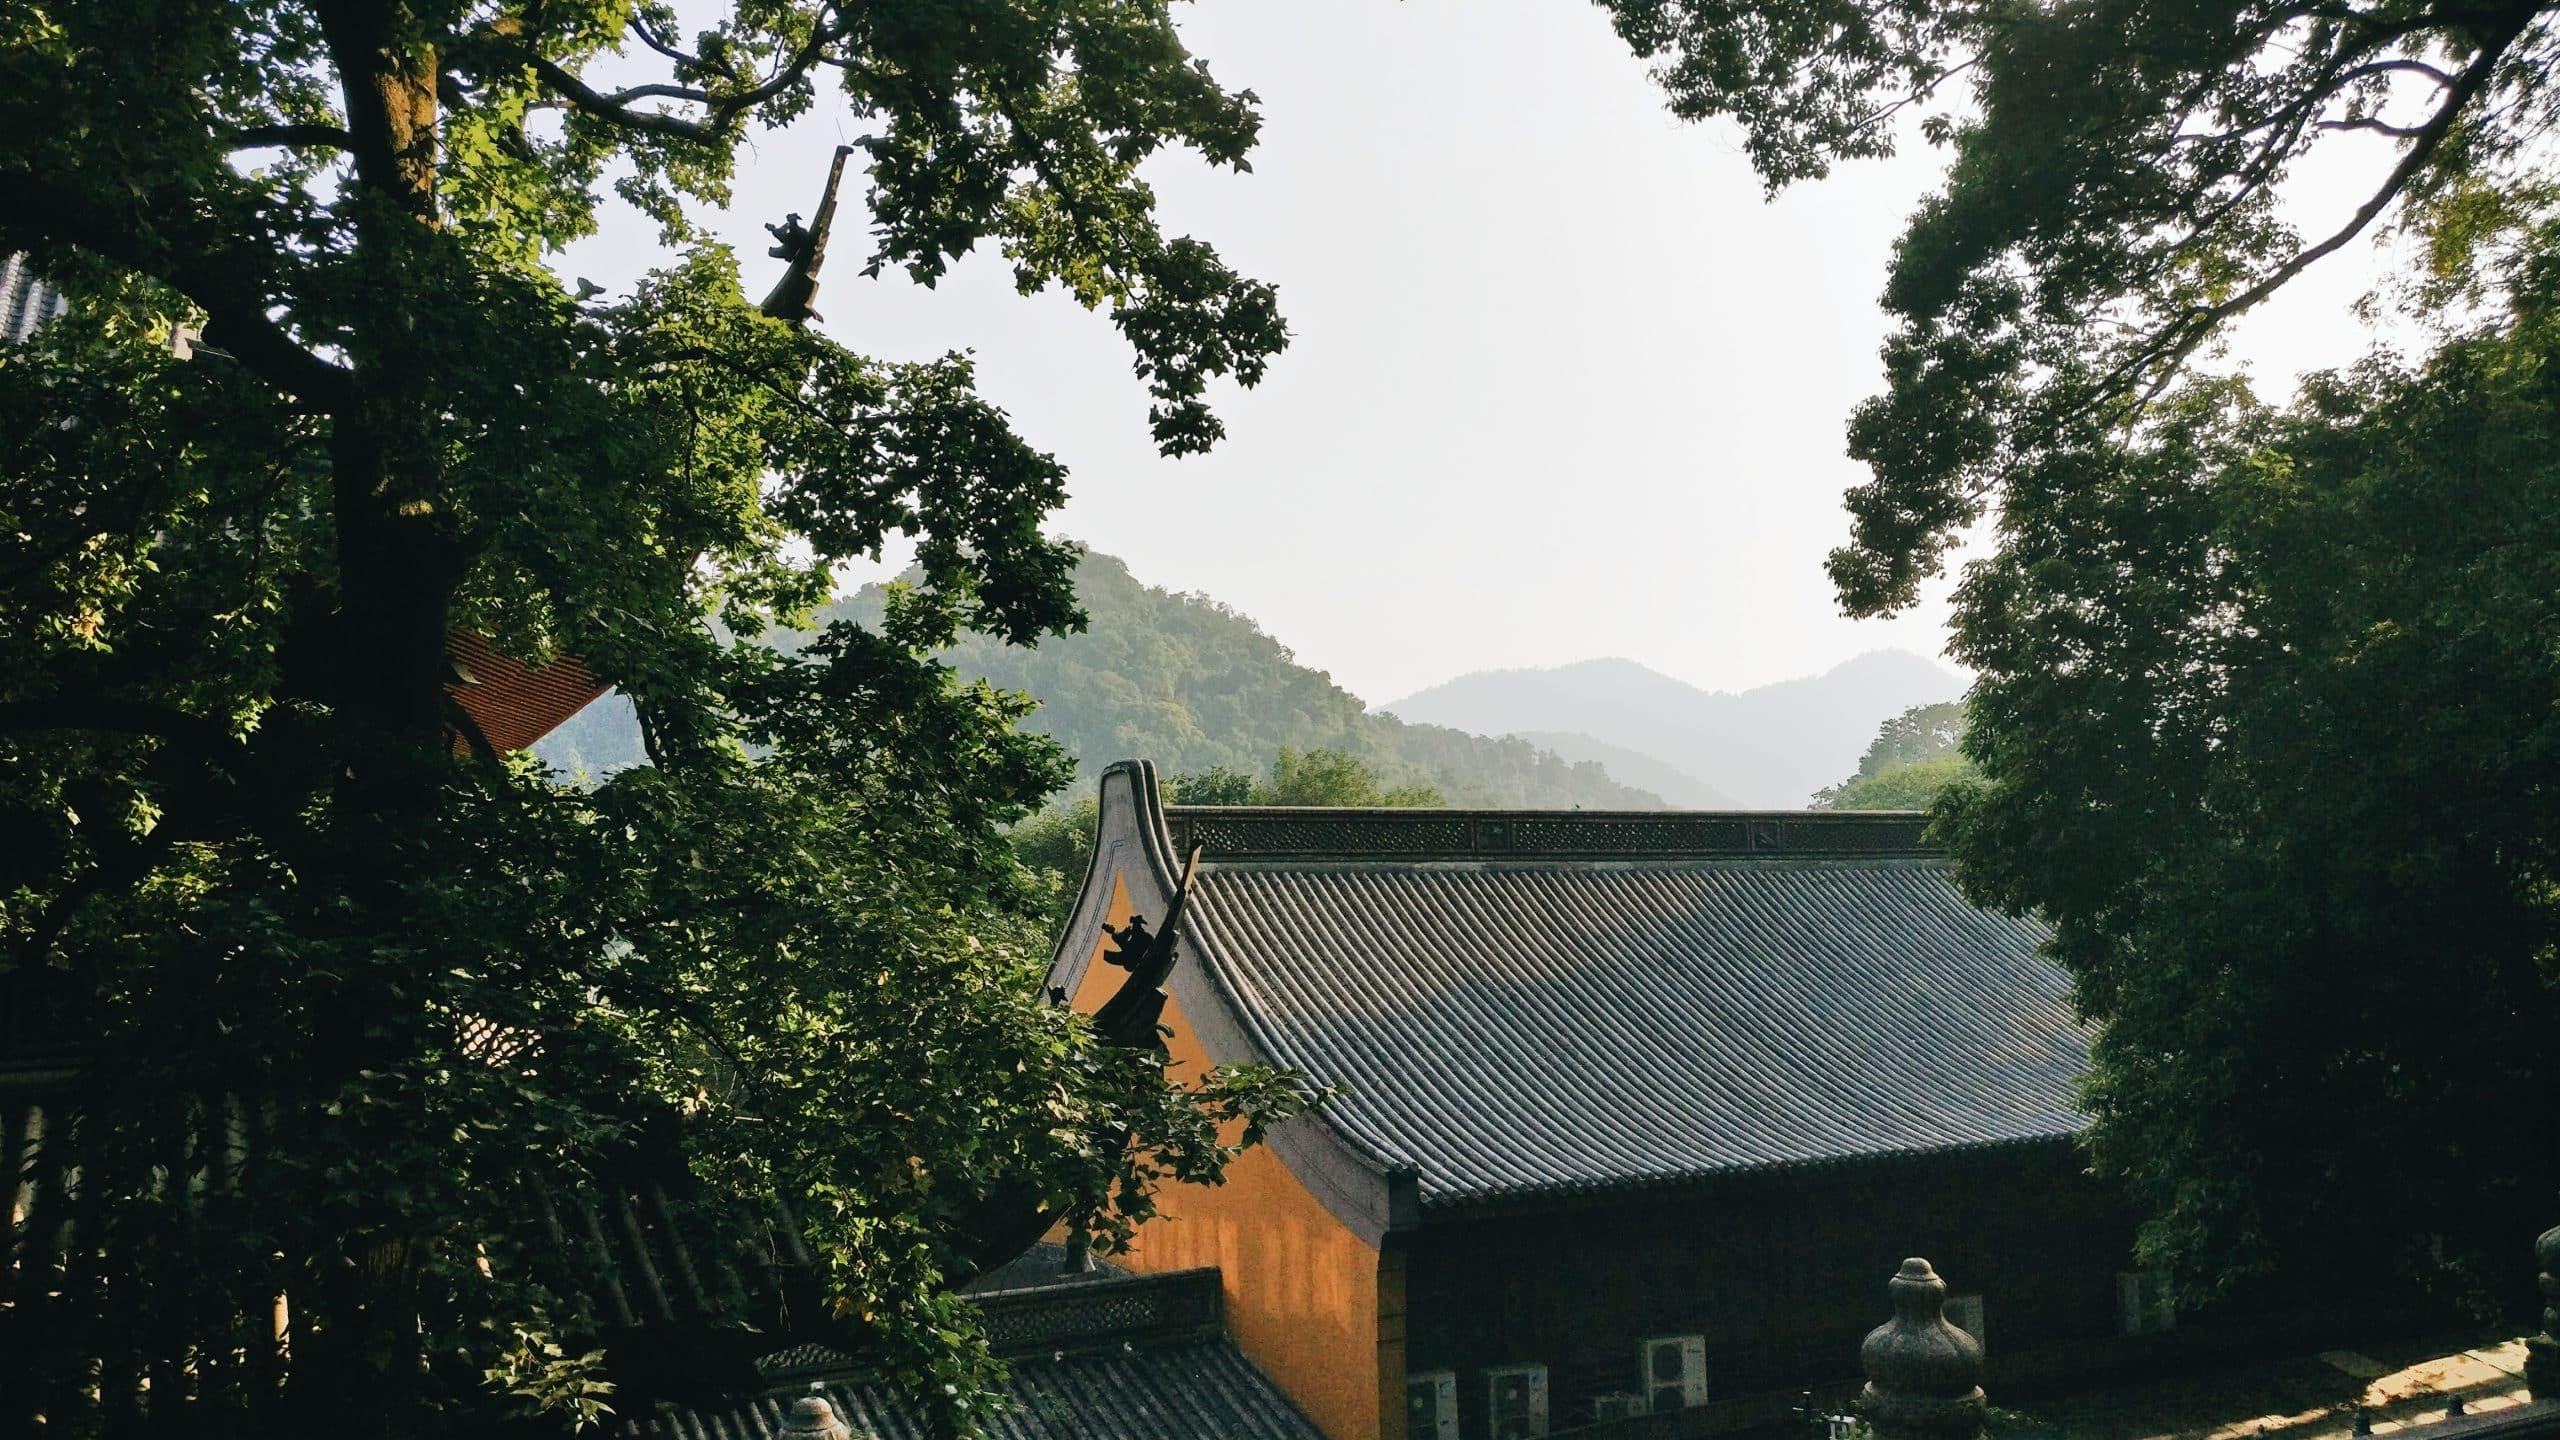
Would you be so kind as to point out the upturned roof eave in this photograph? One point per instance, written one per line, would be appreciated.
(1359, 1185)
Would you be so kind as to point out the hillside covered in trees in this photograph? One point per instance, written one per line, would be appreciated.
(1194, 686)
(1916, 754)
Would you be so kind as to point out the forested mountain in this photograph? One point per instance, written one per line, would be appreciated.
(1191, 684)
(1770, 747)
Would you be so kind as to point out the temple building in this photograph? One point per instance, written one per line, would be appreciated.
(1632, 1107)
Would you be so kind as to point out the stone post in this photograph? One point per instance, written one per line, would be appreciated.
(812, 1418)
(1924, 1376)
(2542, 1352)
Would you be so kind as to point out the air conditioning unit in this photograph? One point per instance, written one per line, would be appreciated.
(2143, 1306)
(1626, 1405)
(1674, 1368)
(1516, 1398)
(1965, 1313)
(1431, 1406)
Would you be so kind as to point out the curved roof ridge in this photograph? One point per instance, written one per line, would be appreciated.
(1297, 832)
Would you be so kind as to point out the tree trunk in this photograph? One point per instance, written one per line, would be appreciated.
(398, 564)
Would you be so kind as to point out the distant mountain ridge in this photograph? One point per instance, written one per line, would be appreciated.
(1678, 788)
(1769, 748)
(1189, 683)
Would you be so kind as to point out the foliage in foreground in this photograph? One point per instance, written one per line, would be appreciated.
(2283, 784)
(2111, 200)
(2264, 719)
(359, 989)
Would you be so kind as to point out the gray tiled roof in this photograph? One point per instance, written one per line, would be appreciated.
(1520, 1026)
(1202, 1390)
(1107, 1356)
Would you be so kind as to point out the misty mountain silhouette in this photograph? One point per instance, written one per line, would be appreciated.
(1769, 747)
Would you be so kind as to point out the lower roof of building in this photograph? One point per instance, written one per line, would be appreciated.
(1191, 1391)
(1127, 1357)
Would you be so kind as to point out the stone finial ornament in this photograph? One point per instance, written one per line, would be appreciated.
(2542, 1352)
(812, 1418)
(1924, 1376)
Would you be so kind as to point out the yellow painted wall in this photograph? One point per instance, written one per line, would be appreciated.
(1302, 1292)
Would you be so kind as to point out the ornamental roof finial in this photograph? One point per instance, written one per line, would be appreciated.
(812, 1418)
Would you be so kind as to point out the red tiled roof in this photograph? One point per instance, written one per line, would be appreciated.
(515, 704)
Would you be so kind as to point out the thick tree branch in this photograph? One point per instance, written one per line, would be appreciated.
(719, 110)
(2319, 93)
(587, 100)
(659, 90)
(2443, 79)
(2379, 127)
(157, 236)
(650, 37)
(289, 137)
(390, 94)
(459, 716)
(2177, 340)
(127, 717)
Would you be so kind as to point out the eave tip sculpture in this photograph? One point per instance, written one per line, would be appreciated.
(1924, 1376)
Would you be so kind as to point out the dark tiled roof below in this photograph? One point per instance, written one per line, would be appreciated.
(1041, 1266)
(647, 1262)
(1557, 1026)
(1138, 1357)
(1202, 1390)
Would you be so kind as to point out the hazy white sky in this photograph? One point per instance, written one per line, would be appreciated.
(1562, 384)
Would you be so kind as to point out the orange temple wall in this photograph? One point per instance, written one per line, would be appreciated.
(1302, 1291)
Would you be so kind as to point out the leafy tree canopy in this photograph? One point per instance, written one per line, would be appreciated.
(1057, 844)
(2111, 200)
(1909, 786)
(259, 857)
(1311, 777)
(1216, 785)
(2262, 724)
(2268, 723)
